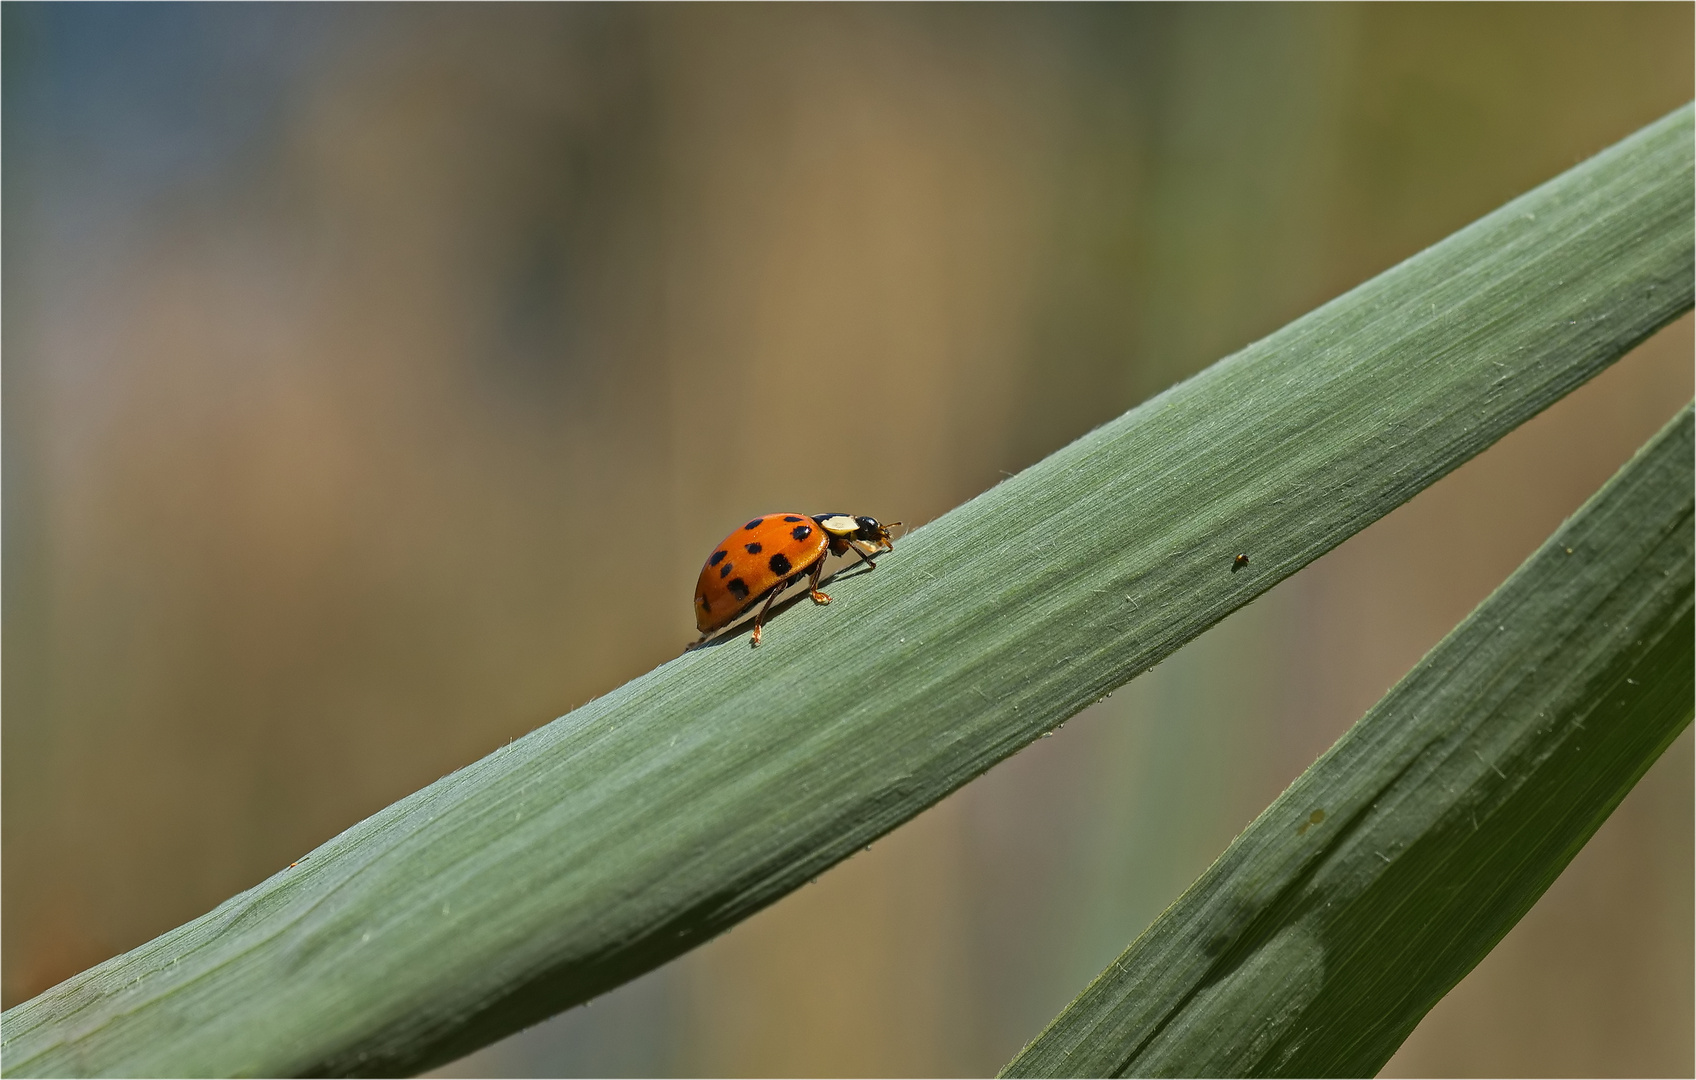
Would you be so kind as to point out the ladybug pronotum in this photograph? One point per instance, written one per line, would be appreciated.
(771, 553)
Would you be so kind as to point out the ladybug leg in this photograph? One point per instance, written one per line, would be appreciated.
(813, 585)
(856, 550)
(760, 619)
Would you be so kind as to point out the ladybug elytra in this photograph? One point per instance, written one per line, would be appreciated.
(770, 553)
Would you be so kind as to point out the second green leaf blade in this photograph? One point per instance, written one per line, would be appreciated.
(1392, 865)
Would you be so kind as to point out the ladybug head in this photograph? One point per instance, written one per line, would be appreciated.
(866, 535)
(873, 533)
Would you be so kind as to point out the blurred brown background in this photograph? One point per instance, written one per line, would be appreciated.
(336, 336)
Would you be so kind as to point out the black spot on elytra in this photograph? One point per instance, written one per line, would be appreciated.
(753, 549)
(724, 571)
(718, 557)
(801, 531)
(739, 588)
(705, 606)
(780, 565)
(792, 518)
(754, 524)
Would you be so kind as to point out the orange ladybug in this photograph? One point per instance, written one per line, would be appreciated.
(772, 552)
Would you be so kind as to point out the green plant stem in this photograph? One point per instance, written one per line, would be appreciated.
(1396, 861)
(659, 815)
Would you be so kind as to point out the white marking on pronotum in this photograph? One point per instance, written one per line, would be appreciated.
(839, 523)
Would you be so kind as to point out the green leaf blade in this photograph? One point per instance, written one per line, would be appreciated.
(1392, 865)
(661, 814)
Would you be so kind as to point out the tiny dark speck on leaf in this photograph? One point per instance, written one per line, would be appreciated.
(1239, 562)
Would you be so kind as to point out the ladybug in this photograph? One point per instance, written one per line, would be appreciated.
(772, 552)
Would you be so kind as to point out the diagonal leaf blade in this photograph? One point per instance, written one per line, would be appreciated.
(1328, 929)
(661, 814)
